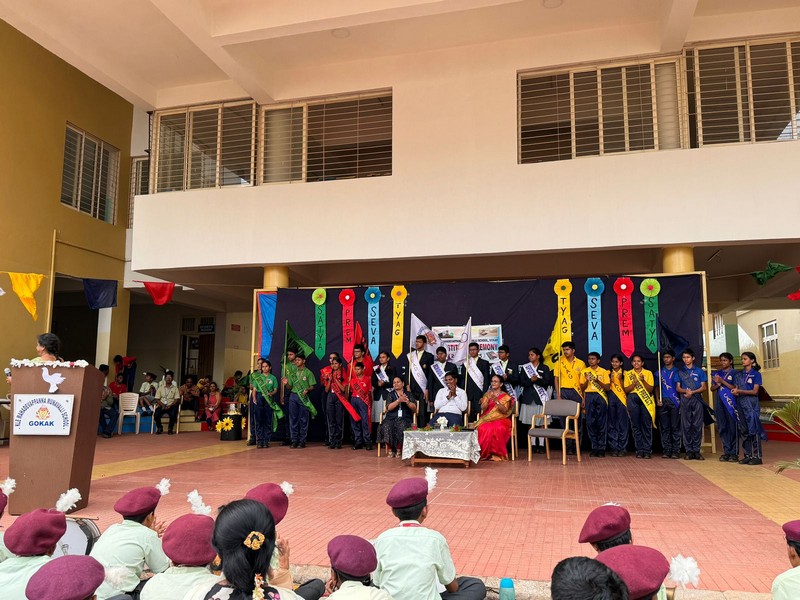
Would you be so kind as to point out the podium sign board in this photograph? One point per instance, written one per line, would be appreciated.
(47, 465)
(42, 414)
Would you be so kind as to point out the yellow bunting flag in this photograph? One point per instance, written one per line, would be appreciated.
(399, 294)
(562, 328)
(25, 286)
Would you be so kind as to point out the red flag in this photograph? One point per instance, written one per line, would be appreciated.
(160, 292)
(794, 296)
(368, 361)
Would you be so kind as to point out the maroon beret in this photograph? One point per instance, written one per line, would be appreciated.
(3, 503)
(66, 578)
(352, 555)
(187, 541)
(273, 497)
(642, 569)
(792, 531)
(605, 522)
(34, 533)
(141, 501)
(407, 492)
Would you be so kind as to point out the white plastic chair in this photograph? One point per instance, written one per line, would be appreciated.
(128, 404)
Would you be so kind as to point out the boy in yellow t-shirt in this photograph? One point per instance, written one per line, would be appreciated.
(567, 374)
(595, 383)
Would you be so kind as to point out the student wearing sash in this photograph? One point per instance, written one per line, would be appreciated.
(333, 382)
(419, 365)
(595, 383)
(641, 406)
(439, 368)
(400, 409)
(567, 379)
(536, 381)
(450, 402)
(669, 405)
(288, 368)
(618, 419)
(510, 370)
(361, 355)
(300, 383)
(691, 384)
(748, 382)
(382, 376)
(475, 378)
(361, 401)
(723, 381)
(266, 411)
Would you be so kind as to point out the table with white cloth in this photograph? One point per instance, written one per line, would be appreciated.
(441, 446)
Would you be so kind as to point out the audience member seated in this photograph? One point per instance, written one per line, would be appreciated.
(494, 424)
(212, 405)
(642, 569)
(607, 526)
(6, 489)
(118, 387)
(353, 559)
(167, 401)
(450, 402)
(230, 383)
(147, 393)
(414, 562)
(582, 578)
(136, 541)
(126, 366)
(400, 409)
(109, 413)
(66, 578)
(787, 585)
(190, 395)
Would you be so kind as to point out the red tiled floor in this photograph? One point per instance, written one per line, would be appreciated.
(500, 519)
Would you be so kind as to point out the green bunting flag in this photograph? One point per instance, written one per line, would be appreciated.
(293, 342)
(318, 296)
(773, 268)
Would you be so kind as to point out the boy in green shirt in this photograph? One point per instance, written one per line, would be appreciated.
(300, 381)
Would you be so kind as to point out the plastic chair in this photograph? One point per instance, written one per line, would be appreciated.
(128, 405)
(557, 408)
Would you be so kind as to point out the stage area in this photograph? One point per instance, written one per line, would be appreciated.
(515, 519)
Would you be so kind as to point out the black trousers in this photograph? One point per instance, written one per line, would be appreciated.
(172, 413)
(670, 420)
(334, 413)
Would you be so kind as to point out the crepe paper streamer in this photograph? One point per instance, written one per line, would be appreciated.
(318, 297)
(399, 294)
(373, 296)
(594, 288)
(347, 298)
(650, 289)
(773, 269)
(563, 289)
(623, 287)
(25, 286)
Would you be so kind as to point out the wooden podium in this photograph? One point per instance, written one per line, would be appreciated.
(45, 466)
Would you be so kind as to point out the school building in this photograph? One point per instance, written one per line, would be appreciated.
(233, 146)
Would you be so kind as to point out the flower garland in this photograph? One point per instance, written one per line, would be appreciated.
(26, 362)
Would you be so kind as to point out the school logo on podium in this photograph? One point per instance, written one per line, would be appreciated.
(43, 414)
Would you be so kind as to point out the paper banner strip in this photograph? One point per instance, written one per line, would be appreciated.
(25, 286)
(650, 289)
(623, 287)
(594, 288)
(373, 296)
(267, 306)
(399, 294)
(318, 297)
(563, 289)
(347, 298)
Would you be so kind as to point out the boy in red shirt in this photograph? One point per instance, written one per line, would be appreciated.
(361, 399)
(117, 387)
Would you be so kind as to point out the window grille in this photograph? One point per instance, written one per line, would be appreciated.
(140, 179)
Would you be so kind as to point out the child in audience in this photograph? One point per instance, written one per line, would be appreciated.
(353, 559)
(66, 578)
(642, 569)
(6, 489)
(787, 585)
(584, 578)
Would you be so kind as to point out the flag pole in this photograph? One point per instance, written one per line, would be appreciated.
(283, 358)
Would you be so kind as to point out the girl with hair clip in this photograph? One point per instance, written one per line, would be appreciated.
(244, 537)
(748, 382)
(618, 419)
(723, 381)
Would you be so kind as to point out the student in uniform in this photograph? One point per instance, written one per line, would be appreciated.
(786, 586)
(669, 404)
(691, 384)
(353, 559)
(300, 382)
(333, 379)
(414, 561)
(618, 419)
(746, 391)
(266, 410)
(71, 577)
(417, 385)
(595, 384)
(567, 378)
(641, 406)
(439, 368)
(381, 376)
(475, 378)
(536, 381)
(361, 400)
(723, 381)
(7, 488)
(587, 579)
(642, 569)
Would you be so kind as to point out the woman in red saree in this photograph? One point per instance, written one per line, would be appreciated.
(494, 426)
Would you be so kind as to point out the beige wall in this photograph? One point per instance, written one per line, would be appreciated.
(785, 379)
(237, 343)
(41, 94)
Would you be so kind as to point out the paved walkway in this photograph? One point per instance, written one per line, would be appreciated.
(515, 519)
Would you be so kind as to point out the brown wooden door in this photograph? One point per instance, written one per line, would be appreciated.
(205, 359)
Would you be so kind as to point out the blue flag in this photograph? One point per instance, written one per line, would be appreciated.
(669, 340)
(267, 305)
(100, 293)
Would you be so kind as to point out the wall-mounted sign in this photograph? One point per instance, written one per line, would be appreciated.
(235, 327)
(43, 414)
(205, 328)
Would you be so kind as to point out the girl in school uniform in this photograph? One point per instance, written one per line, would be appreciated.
(748, 382)
(723, 381)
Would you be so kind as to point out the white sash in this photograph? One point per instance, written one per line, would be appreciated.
(439, 371)
(530, 371)
(381, 373)
(475, 372)
(416, 370)
(499, 370)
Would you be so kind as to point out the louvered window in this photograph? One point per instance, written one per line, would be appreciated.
(334, 138)
(745, 92)
(205, 147)
(592, 111)
(140, 181)
(90, 175)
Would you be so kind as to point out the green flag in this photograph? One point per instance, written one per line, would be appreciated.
(773, 269)
(293, 342)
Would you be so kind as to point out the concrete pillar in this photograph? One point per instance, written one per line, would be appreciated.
(678, 259)
(103, 348)
(275, 276)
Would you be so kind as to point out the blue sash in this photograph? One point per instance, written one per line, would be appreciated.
(728, 399)
(742, 384)
(668, 390)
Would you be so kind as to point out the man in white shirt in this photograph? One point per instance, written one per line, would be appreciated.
(787, 585)
(450, 403)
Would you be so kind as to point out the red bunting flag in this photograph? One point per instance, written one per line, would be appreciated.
(160, 292)
(794, 295)
(347, 298)
(623, 287)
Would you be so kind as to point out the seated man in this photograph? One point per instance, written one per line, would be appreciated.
(787, 585)
(450, 403)
(642, 569)
(190, 394)
(109, 414)
(72, 577)
(582, 578)
(147, 393)
(118, 387)
(414, 561)
(168, 401)
(133, 543)
(353, 560)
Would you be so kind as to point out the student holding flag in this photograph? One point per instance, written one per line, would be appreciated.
(266, 410)
(641, 406)
(300, 382)
(692, 382)
(595, 384)
(723, 381)
(475, 378)
(670, 405)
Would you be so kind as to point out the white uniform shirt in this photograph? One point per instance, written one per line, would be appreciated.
(175, 582)
(456, 405)
(353, 590)
(15, 572)
(786, 586)
(4, 552)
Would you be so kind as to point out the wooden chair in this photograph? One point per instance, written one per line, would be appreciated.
(128, 405)
(566, 409)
